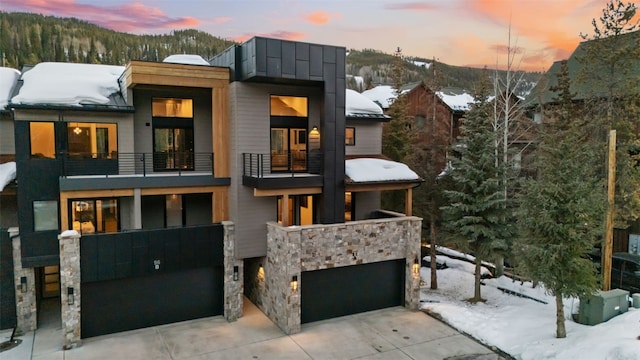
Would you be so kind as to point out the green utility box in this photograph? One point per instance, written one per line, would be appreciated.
(602, 306)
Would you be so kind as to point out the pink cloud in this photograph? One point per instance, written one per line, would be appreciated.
(320, 17)
(127, 17)
(416, 6)
(222, 19)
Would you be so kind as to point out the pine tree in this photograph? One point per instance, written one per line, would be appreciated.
(561, 211)
(475, 217)
(397, 138)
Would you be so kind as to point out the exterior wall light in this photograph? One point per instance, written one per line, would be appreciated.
(294, 283)
(70, 297)
(416, 265)
(314, 138)
(23, 284)
(235, 273)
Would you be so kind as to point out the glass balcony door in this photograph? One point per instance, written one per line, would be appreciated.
(288, 149)
(173, 149)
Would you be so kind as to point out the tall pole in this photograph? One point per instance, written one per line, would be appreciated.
(607, 249)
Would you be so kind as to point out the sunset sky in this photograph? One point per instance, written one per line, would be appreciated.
(457, 32)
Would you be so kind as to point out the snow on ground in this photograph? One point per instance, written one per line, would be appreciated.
(522, 327)
(423, 64)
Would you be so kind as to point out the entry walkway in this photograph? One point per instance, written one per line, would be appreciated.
(394, 333)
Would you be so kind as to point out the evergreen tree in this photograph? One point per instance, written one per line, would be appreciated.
(561, 211)
(475, 216)
(397, 138)
(608, 73)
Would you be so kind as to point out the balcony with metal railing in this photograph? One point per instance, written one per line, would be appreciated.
(282, 169)
(88, 170)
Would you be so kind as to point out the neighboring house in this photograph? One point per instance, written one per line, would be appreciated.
(190, 185)
(446, 106)
(595, 76)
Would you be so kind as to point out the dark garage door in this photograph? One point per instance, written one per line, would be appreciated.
(349, 290)
(137, 302)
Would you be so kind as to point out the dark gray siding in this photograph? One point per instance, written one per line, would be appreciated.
(366, 202)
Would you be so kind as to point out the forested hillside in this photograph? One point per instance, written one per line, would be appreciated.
(31, 38)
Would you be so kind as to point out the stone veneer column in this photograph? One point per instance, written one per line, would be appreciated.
(412, 285)
(233, 280)
(70, 284)
(26, 312)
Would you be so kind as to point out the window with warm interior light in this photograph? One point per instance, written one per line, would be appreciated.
(350, 136)
(95, 215)
(289, 133)
(171, 107)
(90, 216)
(45, 215)
(92, 140)
(289, 106)
(42, 140)
(348, 207)
(300, 210)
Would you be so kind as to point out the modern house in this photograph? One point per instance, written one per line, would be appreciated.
(162, 192)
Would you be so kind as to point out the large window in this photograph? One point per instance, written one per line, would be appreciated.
(173, 134)
(90, 216)
(289, 106)
(42, 138)
(288, 133)
(45, 215)
(92, 140)
(169, 107)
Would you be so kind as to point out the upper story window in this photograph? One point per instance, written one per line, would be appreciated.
(42, 139)
(92, 140)
(289, 106)
(350, 136)
(171, 107)
(45, 215)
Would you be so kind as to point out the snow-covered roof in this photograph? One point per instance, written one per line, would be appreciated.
(456, 101)
(381, 94)
(361, 107)
(186, 59)
(362, 170)
(385, 95)
(7, 174)
(8, 79)
(69, 84)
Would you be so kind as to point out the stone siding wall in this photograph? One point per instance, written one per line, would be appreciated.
(292, 250)
(26, 312)
(233, 284)
(70, 294)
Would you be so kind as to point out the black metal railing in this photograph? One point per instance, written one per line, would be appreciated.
(291, 162)
(116, 163)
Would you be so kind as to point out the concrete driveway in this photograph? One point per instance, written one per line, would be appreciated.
(394, 333)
